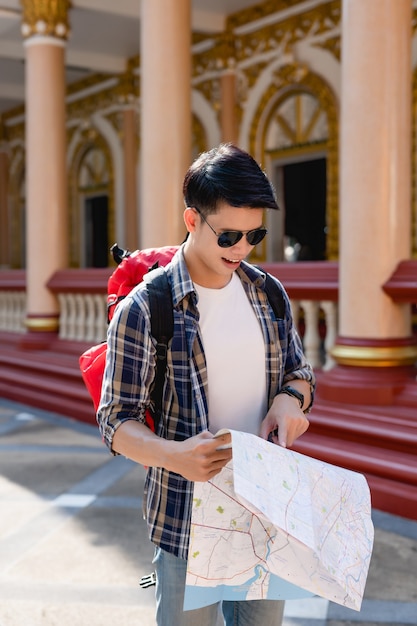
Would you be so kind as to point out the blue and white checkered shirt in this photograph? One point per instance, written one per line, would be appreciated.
(130, 370)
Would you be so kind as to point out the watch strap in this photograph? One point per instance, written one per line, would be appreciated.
(290, 391)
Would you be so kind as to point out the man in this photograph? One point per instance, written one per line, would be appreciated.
(231, 364)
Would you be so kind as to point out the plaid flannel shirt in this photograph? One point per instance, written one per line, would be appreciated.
(129, 374)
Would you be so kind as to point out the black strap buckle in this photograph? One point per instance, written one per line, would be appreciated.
(147, 581)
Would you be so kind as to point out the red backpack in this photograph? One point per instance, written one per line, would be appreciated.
(129, 273)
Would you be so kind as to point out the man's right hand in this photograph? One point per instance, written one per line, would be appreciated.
(198, 458)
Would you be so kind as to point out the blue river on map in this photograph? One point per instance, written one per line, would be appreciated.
(279, 589)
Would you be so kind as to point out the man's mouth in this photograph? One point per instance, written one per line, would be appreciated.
(231, 260)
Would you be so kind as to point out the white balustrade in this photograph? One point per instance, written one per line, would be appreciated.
(316, 350)
(330, 313)
(12, 311)
(83, 317)
(311, 332)
(63, 316)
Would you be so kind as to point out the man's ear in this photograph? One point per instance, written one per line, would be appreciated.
(190, 219)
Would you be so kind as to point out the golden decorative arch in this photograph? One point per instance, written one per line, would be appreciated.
(91, 172)
(198, 137)
(18, 212)
(295, 81)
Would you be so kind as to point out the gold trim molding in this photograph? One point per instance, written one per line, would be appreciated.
(42, 324)
(46, 18)
(374, 356)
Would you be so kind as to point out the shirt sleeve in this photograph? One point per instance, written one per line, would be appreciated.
(296, 365)
(130, 367)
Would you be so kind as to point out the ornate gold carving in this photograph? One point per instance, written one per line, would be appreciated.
(125, 91)
(282, 35)
(198, 37)
(45, 17)
(134, 62)
(9, 115)
(70, 132)
(332, 45)
(15, 132)
(128, 87)
(3, 133)
(199, 139)
(226, 49)
(213, 59)
(84, 83)
(290, 81)
(211, 91)
(414, 20)
(273, 38)
(260, 11)
(85, 107)
(116, 120)
(18, 206)
(252, 73)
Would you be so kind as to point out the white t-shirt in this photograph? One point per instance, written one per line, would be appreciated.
(235, 354)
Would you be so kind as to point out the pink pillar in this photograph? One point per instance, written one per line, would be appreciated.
(165, 119)
(46, 177)
(130, 154)
(375, 342)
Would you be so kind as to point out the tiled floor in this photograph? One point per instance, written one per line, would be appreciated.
(73, 544)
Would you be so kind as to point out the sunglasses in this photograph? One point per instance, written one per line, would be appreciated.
(229, 238)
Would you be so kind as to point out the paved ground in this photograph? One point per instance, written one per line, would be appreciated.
(73, 544)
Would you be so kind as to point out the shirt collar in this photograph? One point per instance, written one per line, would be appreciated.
(181, 279)
(183, 285)
(251, 274)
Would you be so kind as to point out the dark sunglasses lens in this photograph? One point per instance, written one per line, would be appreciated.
(229, 238)
(255, 236)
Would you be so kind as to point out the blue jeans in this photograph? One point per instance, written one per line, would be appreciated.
(170, 584)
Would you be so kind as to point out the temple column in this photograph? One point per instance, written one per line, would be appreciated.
(4, 207)
(44, 28)
(375, 351)
(130, 157)
(165, 118)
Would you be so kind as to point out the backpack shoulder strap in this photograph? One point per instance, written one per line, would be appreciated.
(162, 328)
(275, 296)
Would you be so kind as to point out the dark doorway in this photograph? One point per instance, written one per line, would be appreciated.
(305, 207)
(96, 231)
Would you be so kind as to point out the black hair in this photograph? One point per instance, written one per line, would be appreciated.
(227, 174)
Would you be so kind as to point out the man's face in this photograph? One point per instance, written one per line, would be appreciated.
(209, 264)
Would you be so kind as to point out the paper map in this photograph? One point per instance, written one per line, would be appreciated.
(277, 524)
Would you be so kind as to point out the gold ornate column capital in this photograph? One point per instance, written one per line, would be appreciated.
(2, 132)
(48, 18)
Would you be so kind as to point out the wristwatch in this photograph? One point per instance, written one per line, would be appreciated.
(290, 391)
